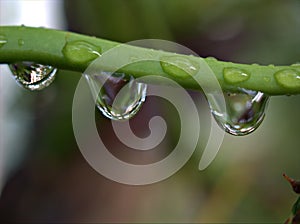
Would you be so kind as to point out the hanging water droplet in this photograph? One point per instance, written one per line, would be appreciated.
(235, 75)
(120, 97)
(33, 76)
(244, 111)
(3, 40)
(21, 42)
(288, 78)
(178, 66)
(81, 51)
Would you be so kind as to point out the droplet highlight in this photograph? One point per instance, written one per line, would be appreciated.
(81, 51)
(120, 97)
(33, 76)
(235, 75)
(178, 66)
(288, 78)
(244, 112)
(3, 40)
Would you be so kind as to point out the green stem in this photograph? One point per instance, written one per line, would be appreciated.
(46, 46)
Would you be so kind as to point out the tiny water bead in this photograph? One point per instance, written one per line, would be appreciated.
(211, 59)
(81, 51)
(235, 75)
(21, 42)
(120, 97)
(33, 76)
(3, 40)
(244, 112)
(178, 66)
(288, 78)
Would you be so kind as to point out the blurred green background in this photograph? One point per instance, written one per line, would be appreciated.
(53, 182)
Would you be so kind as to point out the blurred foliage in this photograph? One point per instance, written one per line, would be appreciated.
(243, 31)
(243, 184)
(295, 218)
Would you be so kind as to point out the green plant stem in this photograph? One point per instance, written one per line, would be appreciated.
(46, 46)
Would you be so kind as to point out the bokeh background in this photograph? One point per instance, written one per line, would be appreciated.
(44, 177)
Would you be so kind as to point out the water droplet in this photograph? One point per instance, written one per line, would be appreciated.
(33, 76)
(81, 51)
(3, 40)
(288, 78)
(179, 66)
(235, 75)
(211, 59)
(244, 111)
(20, 42)
(120, 97)
(297, 65)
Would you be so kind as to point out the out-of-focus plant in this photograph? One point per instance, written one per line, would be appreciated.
(295, 217)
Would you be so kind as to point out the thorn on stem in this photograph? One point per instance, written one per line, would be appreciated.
(295, 184)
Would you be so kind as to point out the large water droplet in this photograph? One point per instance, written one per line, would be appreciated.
(178, 66)
(3, 40)
(33, 76)
(244, 111)
(120, 97)
(235, 75)
(81, 51)
(288, 78)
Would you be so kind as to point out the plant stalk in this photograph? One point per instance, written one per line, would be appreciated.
(46, 46)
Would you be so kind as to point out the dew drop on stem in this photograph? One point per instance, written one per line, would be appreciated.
(211, 59)
(288, 78)
(120, 97)
(179, 66)
(235, 75)
(3, 40)
(33, 76)
(296, 65)
(244, 112)
(21, 42)
(81, 51)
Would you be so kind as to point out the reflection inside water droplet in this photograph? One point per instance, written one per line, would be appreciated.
(33, 76)
(244, 111)
(120, 97)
